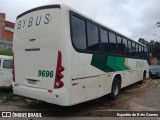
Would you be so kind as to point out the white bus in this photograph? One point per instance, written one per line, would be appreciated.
(65, 58)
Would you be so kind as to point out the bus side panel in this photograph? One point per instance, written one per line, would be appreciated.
(89, 89)
(77, 65)
(88, 82)
(135, 72)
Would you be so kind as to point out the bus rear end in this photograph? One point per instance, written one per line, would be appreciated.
(37, 68)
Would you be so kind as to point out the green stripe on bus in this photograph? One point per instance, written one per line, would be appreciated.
(108, 63)
(112, 62)
(121, 63)
(100, 62)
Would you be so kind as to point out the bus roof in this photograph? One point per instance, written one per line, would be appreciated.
(69, 8)
(105, 26)
(39, 8)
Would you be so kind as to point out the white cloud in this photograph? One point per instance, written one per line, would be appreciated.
(129, 17)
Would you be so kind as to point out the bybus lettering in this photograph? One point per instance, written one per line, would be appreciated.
(34, 21)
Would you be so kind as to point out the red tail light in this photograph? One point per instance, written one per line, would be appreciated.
(59, 76)
(13, 72)
(58, 83)
(61, 69)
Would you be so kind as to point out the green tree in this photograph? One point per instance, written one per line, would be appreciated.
(153, 45)
(6, 52)
(144, 42)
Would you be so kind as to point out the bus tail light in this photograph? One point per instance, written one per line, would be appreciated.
(60, 76)
(13, 70)
(58, 83)
(61, 69)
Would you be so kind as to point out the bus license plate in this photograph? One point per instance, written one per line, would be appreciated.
(33, 82)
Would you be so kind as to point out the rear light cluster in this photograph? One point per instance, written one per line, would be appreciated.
(58, 83)
(13, 72)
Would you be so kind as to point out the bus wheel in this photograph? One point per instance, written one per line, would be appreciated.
(115, 89)
(144, 77)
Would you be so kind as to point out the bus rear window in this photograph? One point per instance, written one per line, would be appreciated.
(92, 33)
(78, 33)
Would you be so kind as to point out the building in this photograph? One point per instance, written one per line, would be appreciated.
(153, 61)
(6, 33)
(5, 44)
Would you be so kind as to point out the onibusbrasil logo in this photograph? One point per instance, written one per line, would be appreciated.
(21, 114)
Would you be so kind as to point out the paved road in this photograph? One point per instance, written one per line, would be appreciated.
(143, 97)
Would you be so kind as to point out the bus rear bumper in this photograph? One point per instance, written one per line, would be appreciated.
(57, 96)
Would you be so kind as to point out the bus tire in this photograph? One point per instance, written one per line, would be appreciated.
(115, 89)
(144, 77)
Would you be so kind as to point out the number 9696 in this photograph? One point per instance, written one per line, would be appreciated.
(45, 73)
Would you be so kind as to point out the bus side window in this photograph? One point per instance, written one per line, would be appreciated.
(143, 53)
(140, 51)
(120, 45)
(133, 49)
(104, 41)
(146, 53)
(93, 37)
(125, 45)
(137, 51)
(112, 43)
(129, 48)
(78, 33)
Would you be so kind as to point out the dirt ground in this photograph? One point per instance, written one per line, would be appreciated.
(136, 97)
